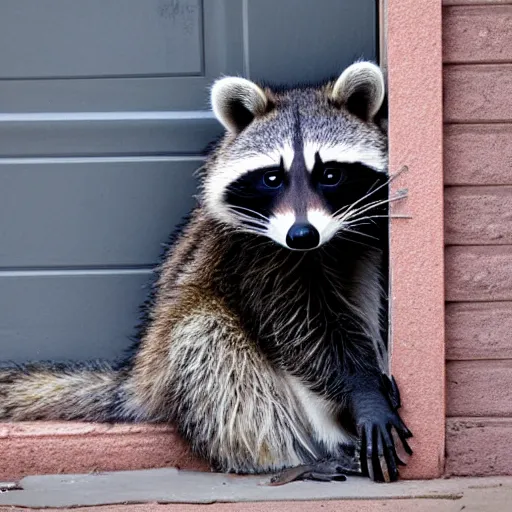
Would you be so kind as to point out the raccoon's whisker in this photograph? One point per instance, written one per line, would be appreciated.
(357, 222)
(392, 216)
(348, 230)
(250, 223)
(371, 188)
(375, 204)
(235, 207)
(252, 230)
(372, 191)
(246, 219)
(352, 241)
(398, 216)
(242, 214)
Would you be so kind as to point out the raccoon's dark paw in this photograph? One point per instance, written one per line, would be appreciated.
(379, 459)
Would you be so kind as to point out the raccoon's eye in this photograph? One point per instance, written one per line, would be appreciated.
(331, 176)
(273, 179)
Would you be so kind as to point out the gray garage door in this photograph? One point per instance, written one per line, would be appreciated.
(103, 118)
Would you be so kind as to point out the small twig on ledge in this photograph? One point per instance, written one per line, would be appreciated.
(10, 486)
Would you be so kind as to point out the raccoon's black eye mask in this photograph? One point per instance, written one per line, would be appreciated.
(342, 184)
(338, 184)
(258, 190)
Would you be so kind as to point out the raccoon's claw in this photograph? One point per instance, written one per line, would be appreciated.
(321, 471)
(392, 391)
(379, 458)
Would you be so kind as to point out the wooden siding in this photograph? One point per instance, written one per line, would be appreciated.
(476, 34)
(477, 93)
(478, 215)
(478, 446)
(476, 2)
(478, 154)
(479, 273)
(479, 388)
(477, 55)
(478, 330)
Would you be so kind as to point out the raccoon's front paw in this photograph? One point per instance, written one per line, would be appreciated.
(379, 459)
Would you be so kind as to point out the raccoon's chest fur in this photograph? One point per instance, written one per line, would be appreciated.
(304, 308)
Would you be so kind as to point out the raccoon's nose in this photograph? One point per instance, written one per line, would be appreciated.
(302, 236)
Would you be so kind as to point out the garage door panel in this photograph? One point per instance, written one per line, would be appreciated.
(106, 134)
(115, 76)
(108, 94)
(322, 38)
(98, 212)
(69, 316)
(104, 111)
(100, 38)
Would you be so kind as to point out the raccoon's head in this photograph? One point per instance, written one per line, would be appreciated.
(301, 165)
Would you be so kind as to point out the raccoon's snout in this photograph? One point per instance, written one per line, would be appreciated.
(303, 236)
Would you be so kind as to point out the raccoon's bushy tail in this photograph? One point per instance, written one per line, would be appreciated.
(54, 391)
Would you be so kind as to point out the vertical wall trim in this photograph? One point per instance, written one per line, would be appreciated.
(245, 30)
(383, 35)
(414, 69)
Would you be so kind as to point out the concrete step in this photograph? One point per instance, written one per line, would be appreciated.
(252, 493)
(35, 448)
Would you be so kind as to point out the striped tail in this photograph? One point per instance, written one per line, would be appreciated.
(54, 391)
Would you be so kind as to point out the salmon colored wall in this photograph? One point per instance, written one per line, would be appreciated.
(414, 63)
(477, 54)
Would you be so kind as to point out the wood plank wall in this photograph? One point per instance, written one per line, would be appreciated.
(477, 48)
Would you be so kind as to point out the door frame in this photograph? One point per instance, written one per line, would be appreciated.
(411, 52)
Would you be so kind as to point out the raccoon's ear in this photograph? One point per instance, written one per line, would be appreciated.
(236, 102)
(360, 89)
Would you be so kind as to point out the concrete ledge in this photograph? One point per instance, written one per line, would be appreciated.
(68, 447)
(173, 486)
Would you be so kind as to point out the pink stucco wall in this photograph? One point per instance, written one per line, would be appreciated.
(417, 276)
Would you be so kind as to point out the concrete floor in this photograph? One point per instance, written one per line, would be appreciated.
(170, 490)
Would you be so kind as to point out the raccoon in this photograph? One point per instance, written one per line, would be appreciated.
(262, 341)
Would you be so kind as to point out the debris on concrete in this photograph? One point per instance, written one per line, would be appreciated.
(9, 486)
